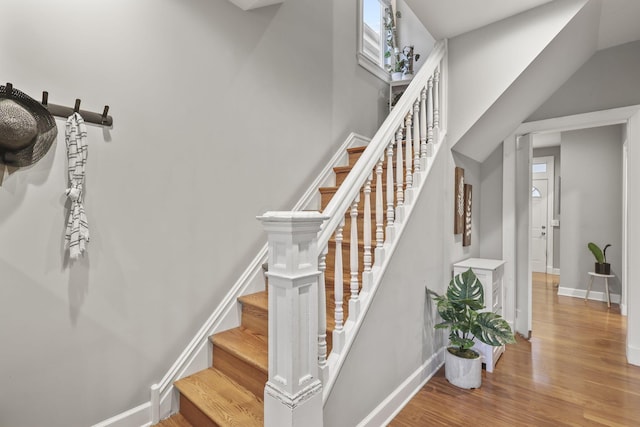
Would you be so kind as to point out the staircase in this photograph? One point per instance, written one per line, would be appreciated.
(230, 392)
(344, 250)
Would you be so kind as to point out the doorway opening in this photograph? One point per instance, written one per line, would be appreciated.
(543, 216)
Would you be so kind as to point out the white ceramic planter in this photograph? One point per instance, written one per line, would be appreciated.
(461, 372)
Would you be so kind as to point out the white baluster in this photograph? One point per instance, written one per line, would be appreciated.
(379, 254)
(338, 293)
(338, 284)
(354, 283)
(390, 189)
(423, 127)
(379, 206)
(436, 99)
(322, 316)
(399, 177)
(429, 115)
(367, 258)
(367, 224)
(408, 146)
(416, 136)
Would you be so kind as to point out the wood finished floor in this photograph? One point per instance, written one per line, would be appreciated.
(573, 372)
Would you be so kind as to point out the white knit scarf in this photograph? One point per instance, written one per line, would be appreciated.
(77, 235)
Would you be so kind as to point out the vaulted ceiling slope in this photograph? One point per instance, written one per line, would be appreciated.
(507, 58)
(501, 73)
(618, 22)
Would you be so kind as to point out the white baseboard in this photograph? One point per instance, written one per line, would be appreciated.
(136, 417)
(633, 355)
(593, 295)
(389, 407)
(551, 270)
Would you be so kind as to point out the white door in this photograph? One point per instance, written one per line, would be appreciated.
(539, 229)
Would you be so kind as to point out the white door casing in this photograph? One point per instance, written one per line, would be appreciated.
(523, 300)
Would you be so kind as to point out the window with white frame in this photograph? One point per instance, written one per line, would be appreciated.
(372, 37)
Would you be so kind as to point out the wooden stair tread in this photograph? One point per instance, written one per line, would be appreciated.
(258, 299)
(221, 399)
(246, 345)
(358, 149)
(332, 189)
(361, 148)
(176, 420)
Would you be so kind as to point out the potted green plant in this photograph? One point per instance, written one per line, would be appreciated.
(402, 66)
(601, 266)
(460, 309)
(396, 68)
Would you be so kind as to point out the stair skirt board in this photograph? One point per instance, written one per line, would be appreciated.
(393, 404)
(197, 356)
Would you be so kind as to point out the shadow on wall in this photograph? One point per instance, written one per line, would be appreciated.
(432, 339)
(78, 286)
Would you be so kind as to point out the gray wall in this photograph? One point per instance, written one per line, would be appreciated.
(591, 202)
(608, 80)
(491, 206)
(219, 116)
(555, 153)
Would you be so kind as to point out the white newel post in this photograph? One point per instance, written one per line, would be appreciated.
(293, 393)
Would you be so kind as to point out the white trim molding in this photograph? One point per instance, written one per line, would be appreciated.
(365, 62)
(633, 355)
(136, 417)
(593, 295)
(553, 270)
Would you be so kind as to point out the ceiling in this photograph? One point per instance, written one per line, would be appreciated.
(449, 18)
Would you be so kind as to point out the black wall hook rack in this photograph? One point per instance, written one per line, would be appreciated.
(88, 116)
(61, 111)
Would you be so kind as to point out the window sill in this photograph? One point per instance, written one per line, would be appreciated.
(373, 68)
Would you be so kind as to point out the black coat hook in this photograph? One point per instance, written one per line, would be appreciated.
(76, 108)
(104, 114)
(45, 98)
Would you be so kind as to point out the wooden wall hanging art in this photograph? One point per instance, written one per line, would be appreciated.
(458, 216)
(466, 237)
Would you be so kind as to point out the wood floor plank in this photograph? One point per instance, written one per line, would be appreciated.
(573, 372)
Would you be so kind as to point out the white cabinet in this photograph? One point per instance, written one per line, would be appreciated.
(396, 89)
(490, 272)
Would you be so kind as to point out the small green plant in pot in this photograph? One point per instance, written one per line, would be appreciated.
(459, 310)
(602, 266)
